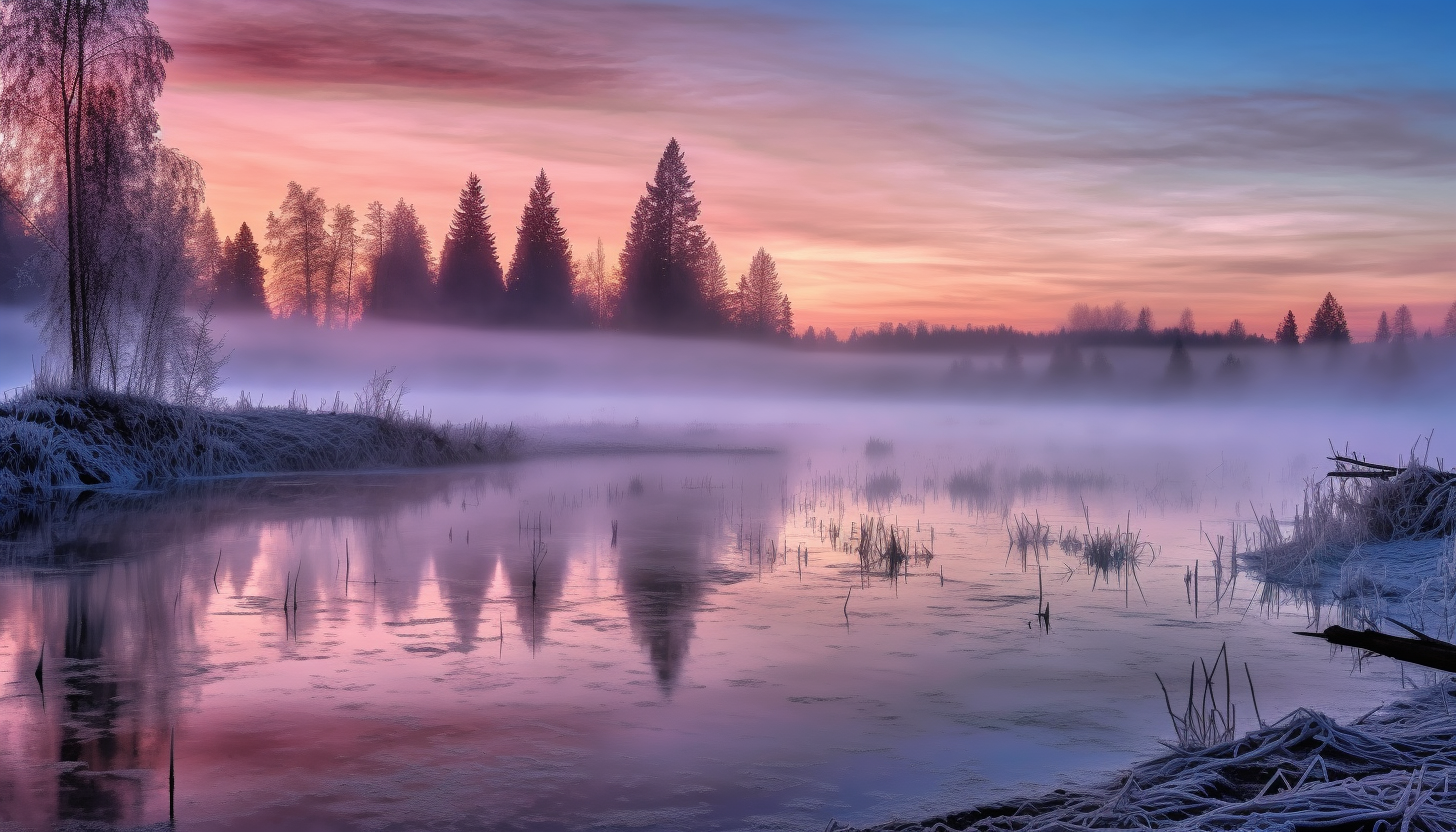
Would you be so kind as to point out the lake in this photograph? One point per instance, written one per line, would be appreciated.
(657, 641)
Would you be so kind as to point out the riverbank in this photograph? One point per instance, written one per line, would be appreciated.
(1389, 769)
(55, 447)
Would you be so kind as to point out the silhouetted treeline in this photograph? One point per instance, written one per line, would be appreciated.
(328, 270)
(920, 336)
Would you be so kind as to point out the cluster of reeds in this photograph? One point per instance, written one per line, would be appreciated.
(1029, 536)
(1112, 551)
(884, 549)
(1206, 720)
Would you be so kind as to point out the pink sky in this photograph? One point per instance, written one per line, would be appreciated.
(886, 189)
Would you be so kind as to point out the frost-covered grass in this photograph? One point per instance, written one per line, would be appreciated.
(55, 445)
(1336, 518)
(1389, 770)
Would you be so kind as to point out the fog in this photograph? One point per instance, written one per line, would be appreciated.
(707, 392)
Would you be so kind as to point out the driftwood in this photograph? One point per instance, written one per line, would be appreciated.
(1422, 650)
(1374, 471)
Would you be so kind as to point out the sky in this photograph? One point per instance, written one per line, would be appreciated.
(957, 162)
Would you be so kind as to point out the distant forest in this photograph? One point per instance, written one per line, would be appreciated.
(331, 266)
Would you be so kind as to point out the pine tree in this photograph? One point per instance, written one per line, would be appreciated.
(1328, 326)
(239, 283)
(1185, 322)
(1382, 329)
(668, 258)
(1236, 331)
(539, 282)
(1288, 331)
(471, 284)
(403, 284)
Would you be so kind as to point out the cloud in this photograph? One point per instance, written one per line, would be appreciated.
(590, 52)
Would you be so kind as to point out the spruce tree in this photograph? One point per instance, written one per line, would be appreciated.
(1403, 327)
(762, 307)
(239, 283)
(471, 284)
(668, 257)
(539, 282)
(1382, 329)
(1288, 331)
(1328, 326)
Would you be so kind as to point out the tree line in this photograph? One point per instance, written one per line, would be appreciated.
(1116, 325)
(329, 267)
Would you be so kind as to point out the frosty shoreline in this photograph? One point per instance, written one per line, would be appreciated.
(55, 447)
(1389, 769)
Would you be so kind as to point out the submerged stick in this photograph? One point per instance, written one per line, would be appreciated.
(214, 570)
(846, 603)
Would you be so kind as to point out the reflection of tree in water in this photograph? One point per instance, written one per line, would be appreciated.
(664, 589)
(465, 576)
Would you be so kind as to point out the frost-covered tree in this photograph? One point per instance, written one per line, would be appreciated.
(471, 283)
(1403, 326)
(403, 285)
(540, 277)
(761, 307)
(78, 140)
(668, 257)
(1382, 329)
(206, 251)
(341, 299)
(1288, 331)
(239, 283)
(1328, 326)
(298, 243)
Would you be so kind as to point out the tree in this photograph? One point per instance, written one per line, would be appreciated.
(760, 304)
(1328, 326)
(1288, 331)
(403, 281)
(471, 284)
(668, 257)
(206, 252)
(1236, 330)
(1114, 318)
(1185, 322)
(78, 132)
(239, 283)
(1403, 327)
(341, 299)
(1382, 329)
(596, 287)
(1144, 324)
(540, 278)
(1448, 329)
(298, 243)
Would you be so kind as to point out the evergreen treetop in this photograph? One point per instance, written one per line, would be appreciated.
(1288, 331)
(471, 282)
(541, 272)
(1328, 325)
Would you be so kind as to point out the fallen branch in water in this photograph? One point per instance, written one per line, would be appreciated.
(1422, 650)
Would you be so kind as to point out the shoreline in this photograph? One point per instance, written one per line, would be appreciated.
(1394, 764)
